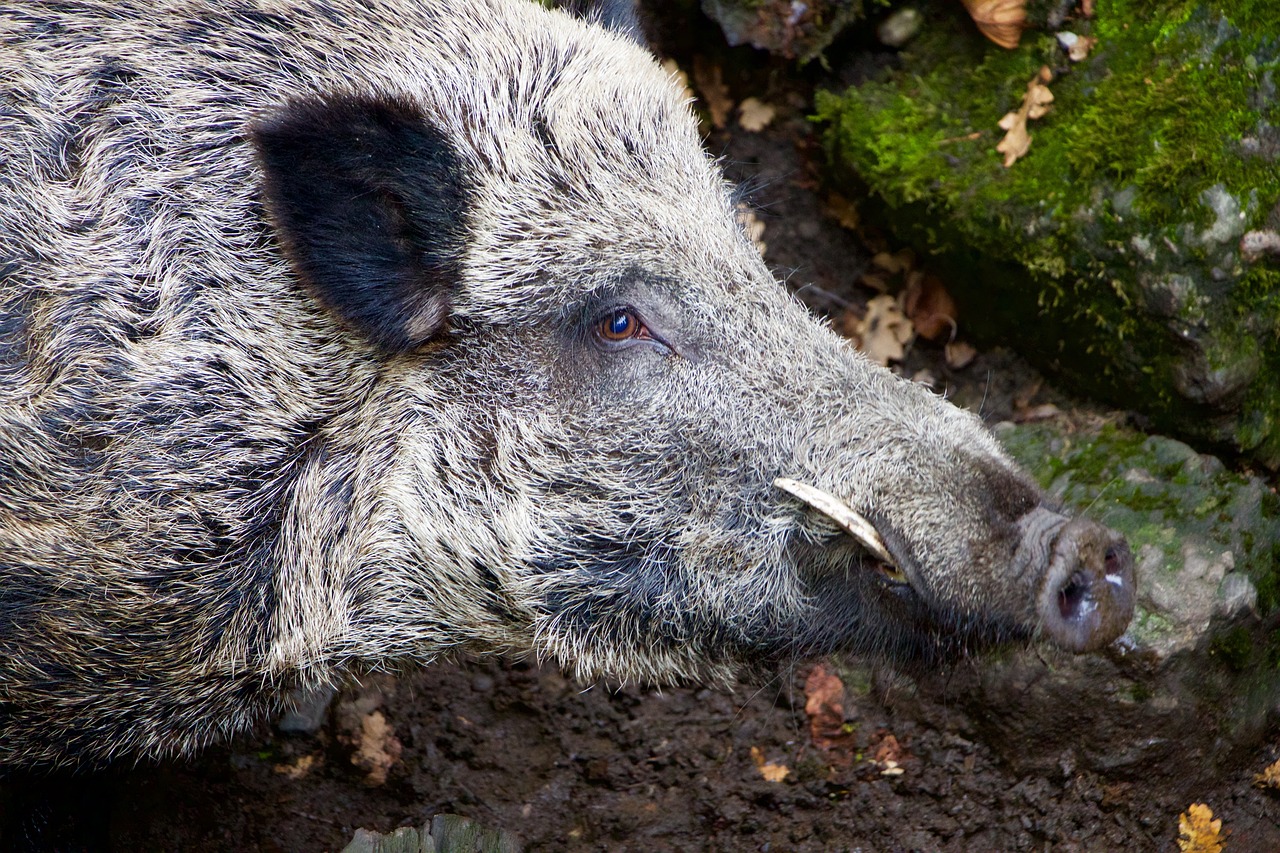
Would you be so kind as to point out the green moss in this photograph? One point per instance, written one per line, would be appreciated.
(1234, 648)
(1160, 494)
(1144, 150)
(1127, 114)
(1140, 691)
(1267, 581)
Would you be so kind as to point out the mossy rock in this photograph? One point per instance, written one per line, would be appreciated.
(1126, 252)
(791, 30)
(1194, 683)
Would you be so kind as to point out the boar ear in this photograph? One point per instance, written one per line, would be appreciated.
(369, 202)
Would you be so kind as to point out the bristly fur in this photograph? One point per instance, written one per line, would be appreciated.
(301, 373)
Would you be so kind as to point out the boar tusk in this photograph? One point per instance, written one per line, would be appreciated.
(838, 511)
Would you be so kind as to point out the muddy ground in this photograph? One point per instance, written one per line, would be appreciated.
(521, 748)
(565, 767)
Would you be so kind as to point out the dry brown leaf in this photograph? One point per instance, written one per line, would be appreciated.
(754, 114)
(959, 354)
(378, 749)
(888, 749)
(682, 79)
(1031, 414)
(894, 263)
(1198, 832)
(1002, 21)
(925, 377)
(1086, 8)
(715, 94)
(1024, 395)
(843, 211)
(300, 767)
(1268, 778)
(1079, 51)
(1016, 142)
(870, 280)
(929, 306)
(887, 753)
(824, 704)
(1035, 103)
(884, 331)
(753, 227)
(771, 772)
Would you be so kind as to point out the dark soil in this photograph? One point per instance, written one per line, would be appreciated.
(566, 767)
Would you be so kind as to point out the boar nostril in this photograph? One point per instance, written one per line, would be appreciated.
(1073, 595)
(1113, 564)
(1088, 594)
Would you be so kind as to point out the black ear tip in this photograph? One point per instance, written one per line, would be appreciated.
(369, 200)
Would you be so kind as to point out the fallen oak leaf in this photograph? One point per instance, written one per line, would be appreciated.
(377, 750)
(1077, 47)
(959, 354)
(929, 306)
(754, 115)
(715, 93)
(903, 260)
(888, 754)
(824, 705)
(888, 749)
(1268, 778)
(1042, 412)
(1038, 97)
(752, 226)
(1001, 21)
(884, 331)
(1016, 142)
(771, 772)
(679, 77)
(299, 767)
(1035, 104)
(1198, 832)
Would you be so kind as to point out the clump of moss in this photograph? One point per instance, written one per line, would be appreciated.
(1118, 230)
(1234, 648)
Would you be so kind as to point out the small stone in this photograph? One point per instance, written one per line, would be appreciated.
(308, 712)
(900, 27)
(1237, 595)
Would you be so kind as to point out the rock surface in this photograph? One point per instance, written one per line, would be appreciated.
(1142, 223)
(791, 28)
(1195, 682)
(443, 834)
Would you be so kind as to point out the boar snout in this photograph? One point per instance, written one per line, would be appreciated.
(1087, 595)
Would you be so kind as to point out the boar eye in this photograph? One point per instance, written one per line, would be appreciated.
(620, 325)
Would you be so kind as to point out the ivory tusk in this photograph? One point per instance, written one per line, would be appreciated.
(839, 512)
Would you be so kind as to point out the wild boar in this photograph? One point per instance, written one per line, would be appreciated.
(340, 334)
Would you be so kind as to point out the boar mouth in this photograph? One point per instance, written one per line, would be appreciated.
(847, 519)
